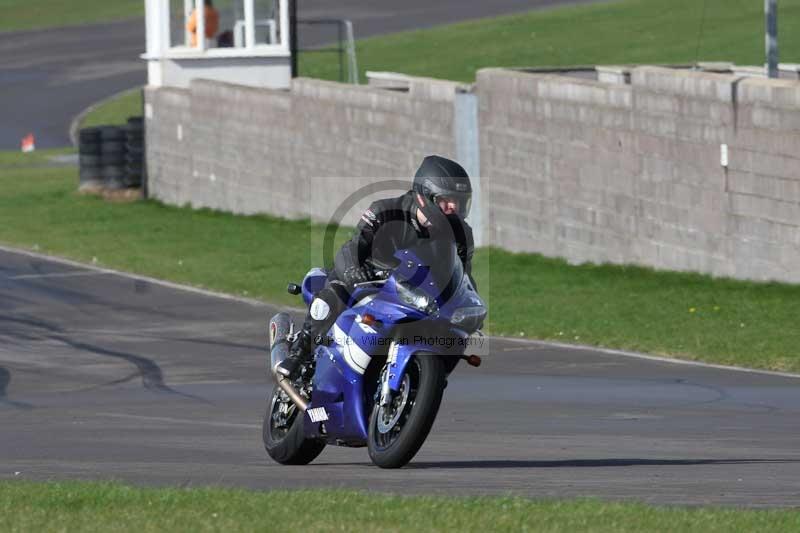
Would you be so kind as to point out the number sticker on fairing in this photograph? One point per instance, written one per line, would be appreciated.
(318, 414)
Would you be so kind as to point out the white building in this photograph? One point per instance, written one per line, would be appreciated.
(260, 54)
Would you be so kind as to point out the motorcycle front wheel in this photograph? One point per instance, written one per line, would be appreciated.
(282, 432)
(397, 431)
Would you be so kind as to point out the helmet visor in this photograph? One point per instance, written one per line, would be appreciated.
(454, 203)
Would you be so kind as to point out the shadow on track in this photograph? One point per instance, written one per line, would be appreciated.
(147, 369)
(590, 463)
(5, 379)
(203, 341)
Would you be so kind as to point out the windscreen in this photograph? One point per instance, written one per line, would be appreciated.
(436, 261)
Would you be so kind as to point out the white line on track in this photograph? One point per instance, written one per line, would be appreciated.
(60, 275)
(529, 342)
(171, 420)
(647, 357)
(155, 281)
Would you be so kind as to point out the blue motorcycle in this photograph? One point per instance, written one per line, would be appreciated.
(377, 379)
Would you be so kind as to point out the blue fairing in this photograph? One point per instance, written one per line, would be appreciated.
(338, 385)
(313, 283)
(341, 393)
(405, 353)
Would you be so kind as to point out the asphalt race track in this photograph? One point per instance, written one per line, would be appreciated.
(104, 376)
(49, 76)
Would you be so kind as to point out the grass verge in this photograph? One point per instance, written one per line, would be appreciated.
(630, 31)
(40, 209)
(76, 506)
(115, 110)
(27, 14)
(683, 315)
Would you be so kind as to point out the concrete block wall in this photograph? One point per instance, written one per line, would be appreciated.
(631, 173)
(169, 170)
(622, 171)
(763, 182)
(295, 154)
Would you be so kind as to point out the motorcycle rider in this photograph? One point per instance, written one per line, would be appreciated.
(435, 207)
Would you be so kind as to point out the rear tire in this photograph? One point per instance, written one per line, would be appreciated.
(287, 445)
(397, 446)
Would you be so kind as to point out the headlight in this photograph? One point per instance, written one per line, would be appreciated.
(469, 318)
(416, 298)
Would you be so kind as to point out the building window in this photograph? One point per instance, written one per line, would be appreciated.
(253, 27)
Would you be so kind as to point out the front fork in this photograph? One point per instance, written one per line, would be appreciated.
(396, 362)
(392, 378)
(390, 374)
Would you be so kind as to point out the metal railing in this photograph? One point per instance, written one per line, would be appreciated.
(346, 48)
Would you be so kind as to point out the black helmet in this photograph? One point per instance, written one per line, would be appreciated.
(441, 177)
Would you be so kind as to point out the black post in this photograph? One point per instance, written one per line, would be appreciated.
(293, 34)
(144, 146)
(341, 50)
(771, 13)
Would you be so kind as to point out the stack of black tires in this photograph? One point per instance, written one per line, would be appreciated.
(134, 132)
(89, 157)
(112, 157)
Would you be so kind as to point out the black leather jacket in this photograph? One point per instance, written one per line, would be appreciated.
(390, 225)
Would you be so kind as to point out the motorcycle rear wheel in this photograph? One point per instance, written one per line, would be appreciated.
(285, 442)
(396, 433)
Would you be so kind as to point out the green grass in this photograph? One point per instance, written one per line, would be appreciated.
(684, 315)
(631, 31)
(689, 316)
(39, 209)
(33, 14)
(115, 110)
(75, 506)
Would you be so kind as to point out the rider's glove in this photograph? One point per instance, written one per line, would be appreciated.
(357, 274)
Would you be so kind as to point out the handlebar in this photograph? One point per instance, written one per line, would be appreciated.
(373, 282)
(382, 275)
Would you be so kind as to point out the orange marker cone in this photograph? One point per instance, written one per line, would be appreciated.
(28, 144)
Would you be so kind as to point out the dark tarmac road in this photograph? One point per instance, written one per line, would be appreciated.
(104, 376)
(49, 76)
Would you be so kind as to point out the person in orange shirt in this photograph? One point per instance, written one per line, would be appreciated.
(212, 22)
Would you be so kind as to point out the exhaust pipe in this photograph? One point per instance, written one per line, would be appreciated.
(291, 392)
(280, 329)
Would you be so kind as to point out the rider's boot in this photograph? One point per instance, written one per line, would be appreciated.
(299, 353)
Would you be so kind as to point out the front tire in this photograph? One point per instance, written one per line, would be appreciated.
(397, 432)
(282, 432)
